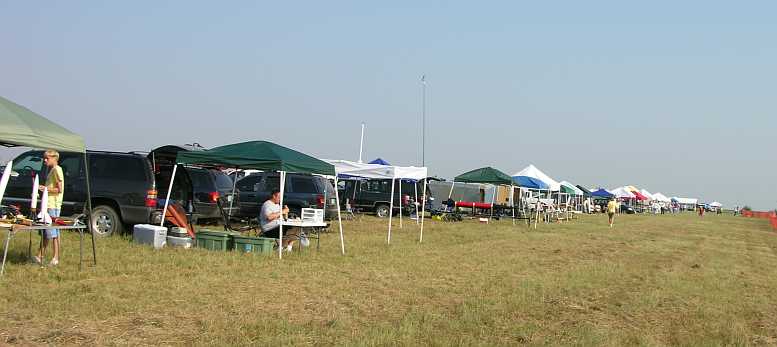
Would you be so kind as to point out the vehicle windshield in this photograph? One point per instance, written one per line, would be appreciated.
(28, 161)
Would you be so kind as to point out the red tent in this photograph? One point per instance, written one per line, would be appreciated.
(639, 196)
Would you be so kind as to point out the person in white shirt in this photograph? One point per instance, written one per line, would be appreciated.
(270, 218)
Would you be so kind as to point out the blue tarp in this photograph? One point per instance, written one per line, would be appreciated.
(602, 193)
(379, 162)
(529, 182)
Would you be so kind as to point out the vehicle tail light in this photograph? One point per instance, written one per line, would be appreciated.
(320, 201)
(214, 196)
(151, 198)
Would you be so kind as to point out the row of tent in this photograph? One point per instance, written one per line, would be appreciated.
(533, 178)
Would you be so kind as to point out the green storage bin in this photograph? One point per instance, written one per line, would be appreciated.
(214, 240)
(247, 244)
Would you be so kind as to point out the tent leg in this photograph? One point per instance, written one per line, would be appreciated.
(391, 210)
(280, 226)
(339, 218)
(232, 199)
(423, 212)
(89, 211)
(167, 197)
(401, 206)
(415, 187)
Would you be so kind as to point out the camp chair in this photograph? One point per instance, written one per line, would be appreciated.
(349, 212)
(247, 225)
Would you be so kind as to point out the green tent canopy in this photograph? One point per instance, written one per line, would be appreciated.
(567, 190)
(258, 155)
(586, 192)
(485, 175)
(22, 127)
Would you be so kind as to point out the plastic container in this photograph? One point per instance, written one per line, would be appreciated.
(147, 234)
(214, 240)
(182, 242)
(177, 232)
(247, 244)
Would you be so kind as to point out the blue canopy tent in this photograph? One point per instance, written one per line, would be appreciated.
(529, 182)
(602, 193)
(379, 161)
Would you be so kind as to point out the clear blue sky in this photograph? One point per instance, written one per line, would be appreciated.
(674, 96)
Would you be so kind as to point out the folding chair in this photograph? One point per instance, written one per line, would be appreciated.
(248, 225)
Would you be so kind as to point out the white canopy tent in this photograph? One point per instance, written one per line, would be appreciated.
(533, 172)
(622, 193)
(686, 201)
(661, 197)
(377, 171)
(716, 204)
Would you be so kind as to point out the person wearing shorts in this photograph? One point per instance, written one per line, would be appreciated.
(55, 184)
(270, 217)
(612, 207)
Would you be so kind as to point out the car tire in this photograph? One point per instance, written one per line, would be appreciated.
(106, 221)
(382, 211)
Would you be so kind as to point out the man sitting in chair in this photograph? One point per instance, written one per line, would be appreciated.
(270, 218)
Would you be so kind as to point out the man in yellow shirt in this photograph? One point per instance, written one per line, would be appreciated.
(55, 184)
(612, 207)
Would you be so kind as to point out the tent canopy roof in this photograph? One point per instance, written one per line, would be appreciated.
(622, 192)
(378, 171)
(584, 190)
(379, 161)
(258, 155)
(485, 175)
(661, 197)
(532, 171)
(569, 186)
(603, 193)
(22, 127)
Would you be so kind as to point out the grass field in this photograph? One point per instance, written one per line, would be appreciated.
(652, 280)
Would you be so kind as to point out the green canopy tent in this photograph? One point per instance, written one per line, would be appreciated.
(265, 156)
(22, 127)
(485, 175)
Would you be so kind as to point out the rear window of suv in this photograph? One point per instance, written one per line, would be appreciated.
(222, 180)
(303, 185)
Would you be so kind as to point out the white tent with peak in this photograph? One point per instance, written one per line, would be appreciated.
(378, 171)
(533, 172)
(622, 193)
(661, 197)
(647, 194)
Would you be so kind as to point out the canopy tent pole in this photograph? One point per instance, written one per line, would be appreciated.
(512, 200)
(493, 200)
(415, 202)
(423, 212)
(280, 225)
(391, 210)
(401, 203)
(167, 198)
(232, 198)
(451, 192)
(89, 213)
(339, 218)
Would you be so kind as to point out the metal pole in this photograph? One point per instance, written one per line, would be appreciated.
(234, 185)
(423, 120)
(167, 198)
(391, 210)
(361, 145)
(423, 212)
(339, 218)
(89, 208)
(280, 225)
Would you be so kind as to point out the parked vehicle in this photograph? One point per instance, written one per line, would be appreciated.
(301, 191)
(374, 195)
(209, 187)
(122, 187)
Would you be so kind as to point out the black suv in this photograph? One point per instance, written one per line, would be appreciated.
(123, 190)
(210, 187)
(301, 191)
(374, 195)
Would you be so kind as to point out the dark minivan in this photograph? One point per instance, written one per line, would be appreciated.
(123, 191)
(301, 191)
(210, 187)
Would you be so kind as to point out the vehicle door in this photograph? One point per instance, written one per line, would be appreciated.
(19, 189)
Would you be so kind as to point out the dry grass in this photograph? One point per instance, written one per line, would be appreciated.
(653, 280)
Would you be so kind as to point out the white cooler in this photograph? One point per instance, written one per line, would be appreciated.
(148, 234)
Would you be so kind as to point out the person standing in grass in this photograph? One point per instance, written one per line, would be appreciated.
(55, 184)
(612, 207)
